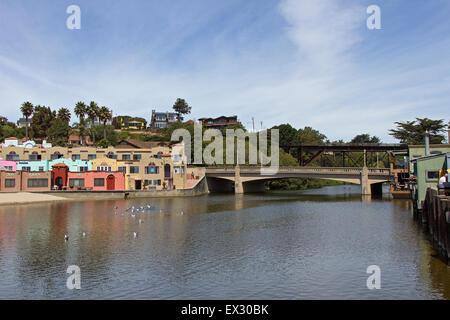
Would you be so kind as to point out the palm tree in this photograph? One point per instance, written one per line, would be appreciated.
(64, 115)
(104, 115)
(93, 112)
(80, 111)
(27, 109)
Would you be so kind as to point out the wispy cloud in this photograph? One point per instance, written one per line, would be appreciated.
(309, 63)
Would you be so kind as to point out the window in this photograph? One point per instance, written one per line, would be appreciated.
(124, 169)
(8, 168)
(76, 183)
(432, 175)
(34, 156)
(157, 182)
(41, 168)
(99, 182)
(176, 170)
(12, 156)
(83, 169)
(151, 170)
(103, 168)
(126, 157)
(137, 156)
(56, 155)
(111, 155)
(134, 169)
(10, 183)
(92, 156)
(26, 169)
(37, 183)
(75, 157)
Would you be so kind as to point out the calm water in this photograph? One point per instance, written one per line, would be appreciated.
(287, 245)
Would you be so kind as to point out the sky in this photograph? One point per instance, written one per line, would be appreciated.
(303, 62)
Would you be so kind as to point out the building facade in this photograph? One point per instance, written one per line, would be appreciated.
(162, 120)
(219, 123)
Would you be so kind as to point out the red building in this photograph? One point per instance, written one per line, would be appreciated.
(59, 176)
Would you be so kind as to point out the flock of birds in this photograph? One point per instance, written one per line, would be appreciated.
(133, 211)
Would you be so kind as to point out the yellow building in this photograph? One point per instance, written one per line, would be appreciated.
(132, 125)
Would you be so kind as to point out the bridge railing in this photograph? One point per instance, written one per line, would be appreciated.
(318, 170)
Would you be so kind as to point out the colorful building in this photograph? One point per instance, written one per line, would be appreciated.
(6, 165)
(33, 165)
(35, 181)
(74, 165)
(426, 170)
(10, 181)
(96, 180)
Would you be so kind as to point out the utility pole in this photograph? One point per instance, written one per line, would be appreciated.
(253, 121)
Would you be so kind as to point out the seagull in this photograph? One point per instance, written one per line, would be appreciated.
(66, 237)
(140, 221)
(133, 215)
(135, 234)
(84, 234)
(182, 212)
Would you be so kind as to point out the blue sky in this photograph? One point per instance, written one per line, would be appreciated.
(303, 62)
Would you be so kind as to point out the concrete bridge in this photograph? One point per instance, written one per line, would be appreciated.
(249, 179)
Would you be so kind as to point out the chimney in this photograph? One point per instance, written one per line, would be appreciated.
(427, 143)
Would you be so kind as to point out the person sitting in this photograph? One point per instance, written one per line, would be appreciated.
(443, 179)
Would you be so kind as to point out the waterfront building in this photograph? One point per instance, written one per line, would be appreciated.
(96, 180)
(219, 123)
(426, 170)
(418, 151)
(10, 181)
(32, 165)
(145, 165)
(73, 165)
(161, 120)
(6, 165)
(3, 120)
(35, 181)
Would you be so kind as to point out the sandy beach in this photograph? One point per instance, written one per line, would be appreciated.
(27, 197)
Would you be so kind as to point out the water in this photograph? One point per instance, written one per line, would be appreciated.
(283, 245)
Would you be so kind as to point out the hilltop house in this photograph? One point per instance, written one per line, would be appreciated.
(161, 120)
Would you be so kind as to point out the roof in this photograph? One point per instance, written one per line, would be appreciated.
(11, 138)
(221, 117)
(59, 165)
(134, 143)
(431, 156)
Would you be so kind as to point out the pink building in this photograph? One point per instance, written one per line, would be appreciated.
(96, 180)
(8, 165)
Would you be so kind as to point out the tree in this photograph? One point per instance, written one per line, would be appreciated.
(80, 111)
(93, 112)
(27, 110)
(413, 132)
(111, 136)
(309, 135)
(64, 115)
(104, 115)
(181, 107)
(365, 138)
(41, 121)
(58, 132)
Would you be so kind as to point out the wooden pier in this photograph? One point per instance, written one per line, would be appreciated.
(434, 215)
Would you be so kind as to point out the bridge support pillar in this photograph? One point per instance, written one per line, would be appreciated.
(365, 185)
(238, 186)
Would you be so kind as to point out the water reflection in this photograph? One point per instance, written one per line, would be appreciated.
(280, 245)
